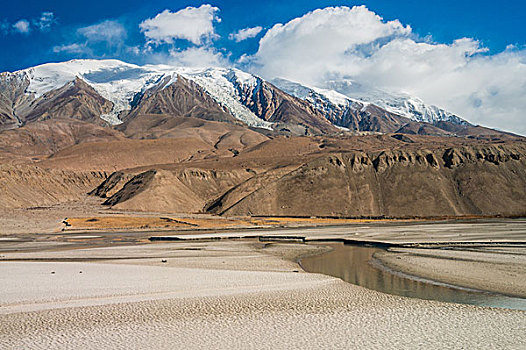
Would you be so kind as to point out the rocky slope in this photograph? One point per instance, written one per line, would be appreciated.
(184, 191)
(76, 100)
(27, 186)
(39, 140)
(180, 98)
(454, 181)
(12, 96)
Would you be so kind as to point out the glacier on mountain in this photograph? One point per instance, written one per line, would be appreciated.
(404, 105)
(346, 94)
(121, 83)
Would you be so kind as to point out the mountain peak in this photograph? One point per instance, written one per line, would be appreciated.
(282, 106)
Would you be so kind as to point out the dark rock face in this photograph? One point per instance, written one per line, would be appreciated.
(107, 185)
(133, 187)
(75, 100)
(181, 98)
(289, 113)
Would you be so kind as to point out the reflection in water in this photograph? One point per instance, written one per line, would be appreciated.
(356, 265)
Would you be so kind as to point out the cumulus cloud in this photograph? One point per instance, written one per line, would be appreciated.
(246, 33)
(319, 40)
(195, 24)
(22, 26)
(356, 44)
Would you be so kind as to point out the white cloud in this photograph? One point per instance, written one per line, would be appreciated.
(71, 48)
(246, 33)
(45, 21)
(108, 31)
(25, 26)
(303, 45)
(195, 24)
(22, 26)
(356, 44)
(197, 57)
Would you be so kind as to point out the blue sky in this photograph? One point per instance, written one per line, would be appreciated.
(496, 25)
(468, 57)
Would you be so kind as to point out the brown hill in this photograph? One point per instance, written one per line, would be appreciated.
(486, 180)
(408, 180)
(179, 139)
(184, 191)
(30, 186)
(39, 140)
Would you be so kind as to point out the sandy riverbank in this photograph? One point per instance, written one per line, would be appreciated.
(236, 295)
(500, 269)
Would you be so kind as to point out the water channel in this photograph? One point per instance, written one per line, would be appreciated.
(356, 265)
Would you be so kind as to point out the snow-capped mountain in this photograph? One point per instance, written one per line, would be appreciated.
(113, 91)
(405, 105)
(121, 82)
(343, 95)
(336, 107)
(116, 81)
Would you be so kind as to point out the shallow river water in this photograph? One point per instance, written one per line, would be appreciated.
(356, 265)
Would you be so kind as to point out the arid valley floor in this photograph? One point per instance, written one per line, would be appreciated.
(243, 287)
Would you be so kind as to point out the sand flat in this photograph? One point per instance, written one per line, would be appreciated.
(310, 314)
(221, 295)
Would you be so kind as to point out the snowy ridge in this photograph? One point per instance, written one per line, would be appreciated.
(334, 105)
(320, 98)
(223, 86)
(120, 82)
(346, 94)
(414, 108)
(402, 104)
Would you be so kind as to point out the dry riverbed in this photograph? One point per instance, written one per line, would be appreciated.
(69, 292)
